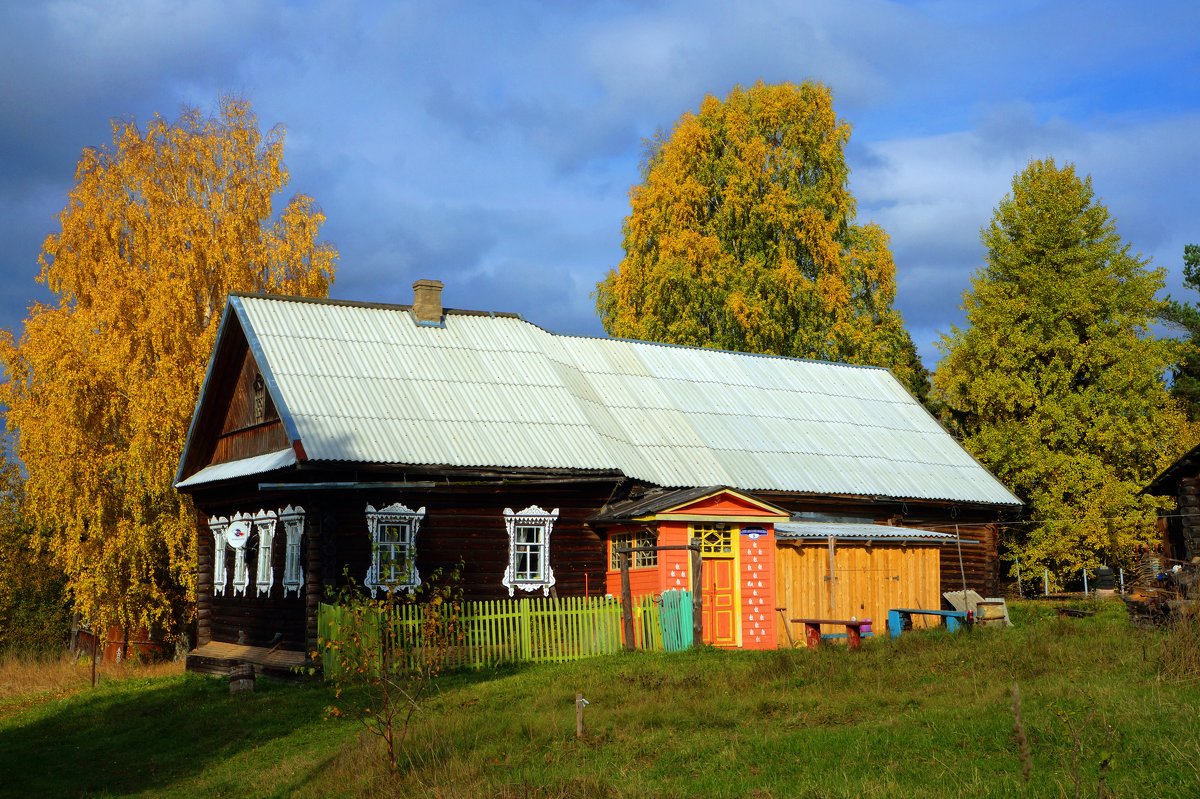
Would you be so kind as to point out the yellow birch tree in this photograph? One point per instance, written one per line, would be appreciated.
(741, 236)
(158, 229)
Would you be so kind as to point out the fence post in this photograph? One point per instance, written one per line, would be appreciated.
(1085, 587)
(697, 594)
(526, 631)
(1046, 583)
(626, 603)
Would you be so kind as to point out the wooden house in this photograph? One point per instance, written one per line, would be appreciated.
(386, 442)
(1181, 529)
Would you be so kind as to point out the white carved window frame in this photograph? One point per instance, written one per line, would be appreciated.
(264, 572)
(241, 574)
(293, 528)
(529, 549)
(393, 541)
(217, 525)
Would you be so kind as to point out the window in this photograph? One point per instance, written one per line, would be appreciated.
(237, 536)
(217, 525)
(393, 547)
(264, 573)
(715, 539)
(640, 560)
(529, 549)
(293, 528)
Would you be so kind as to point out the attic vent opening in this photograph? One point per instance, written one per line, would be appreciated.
(264, 409)
(260, 399)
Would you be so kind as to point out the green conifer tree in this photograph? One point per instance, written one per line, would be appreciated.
(1056, 383)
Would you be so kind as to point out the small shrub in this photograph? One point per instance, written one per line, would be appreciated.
(384, 668)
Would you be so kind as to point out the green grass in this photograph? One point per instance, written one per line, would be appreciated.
(927, 716)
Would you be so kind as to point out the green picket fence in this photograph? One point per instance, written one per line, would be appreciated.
(536, 630)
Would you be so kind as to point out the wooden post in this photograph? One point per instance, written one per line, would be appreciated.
(832, 575)
(626, 602)
(580, 703)
(697, 594)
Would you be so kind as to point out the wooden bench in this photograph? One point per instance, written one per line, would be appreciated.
(900, 619)
(855, 630)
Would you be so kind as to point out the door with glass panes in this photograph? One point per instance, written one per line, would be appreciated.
(718, 548)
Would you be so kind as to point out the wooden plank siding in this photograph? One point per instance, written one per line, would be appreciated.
(980, 560)
(247, 442)
(869, 581)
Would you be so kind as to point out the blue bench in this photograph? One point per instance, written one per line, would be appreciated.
(900, 619)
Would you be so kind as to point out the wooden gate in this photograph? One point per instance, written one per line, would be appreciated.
(676, 620)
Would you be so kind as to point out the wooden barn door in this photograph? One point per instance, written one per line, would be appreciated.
(721, 618)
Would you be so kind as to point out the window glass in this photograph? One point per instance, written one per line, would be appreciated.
(639, 560)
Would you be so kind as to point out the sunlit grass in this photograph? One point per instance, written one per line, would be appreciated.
(929, 715)
(26, 679)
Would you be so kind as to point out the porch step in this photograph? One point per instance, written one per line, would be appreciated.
(218, 657)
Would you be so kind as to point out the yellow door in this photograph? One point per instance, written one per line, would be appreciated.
(721, 617)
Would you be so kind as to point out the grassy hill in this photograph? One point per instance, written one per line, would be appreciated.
(928, 716)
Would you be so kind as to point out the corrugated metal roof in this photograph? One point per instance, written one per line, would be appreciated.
(240, 468)
(845, 531)
(366, 383)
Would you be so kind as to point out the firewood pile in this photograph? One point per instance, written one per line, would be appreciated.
(1162, 590)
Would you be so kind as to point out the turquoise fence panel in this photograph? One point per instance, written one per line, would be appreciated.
(676, 620)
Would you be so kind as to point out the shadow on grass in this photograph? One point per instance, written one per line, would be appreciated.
(145, 736)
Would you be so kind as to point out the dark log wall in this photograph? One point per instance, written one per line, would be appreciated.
(980, 562)
(1189, 517)
(255, 619)
(204, 580)
(465, 524)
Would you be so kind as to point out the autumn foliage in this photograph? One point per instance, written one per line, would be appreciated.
(741, 236)
(160, 226)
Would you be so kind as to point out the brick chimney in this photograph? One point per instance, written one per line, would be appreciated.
(427, 302)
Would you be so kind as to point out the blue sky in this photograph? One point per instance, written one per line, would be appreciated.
(493, 145)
